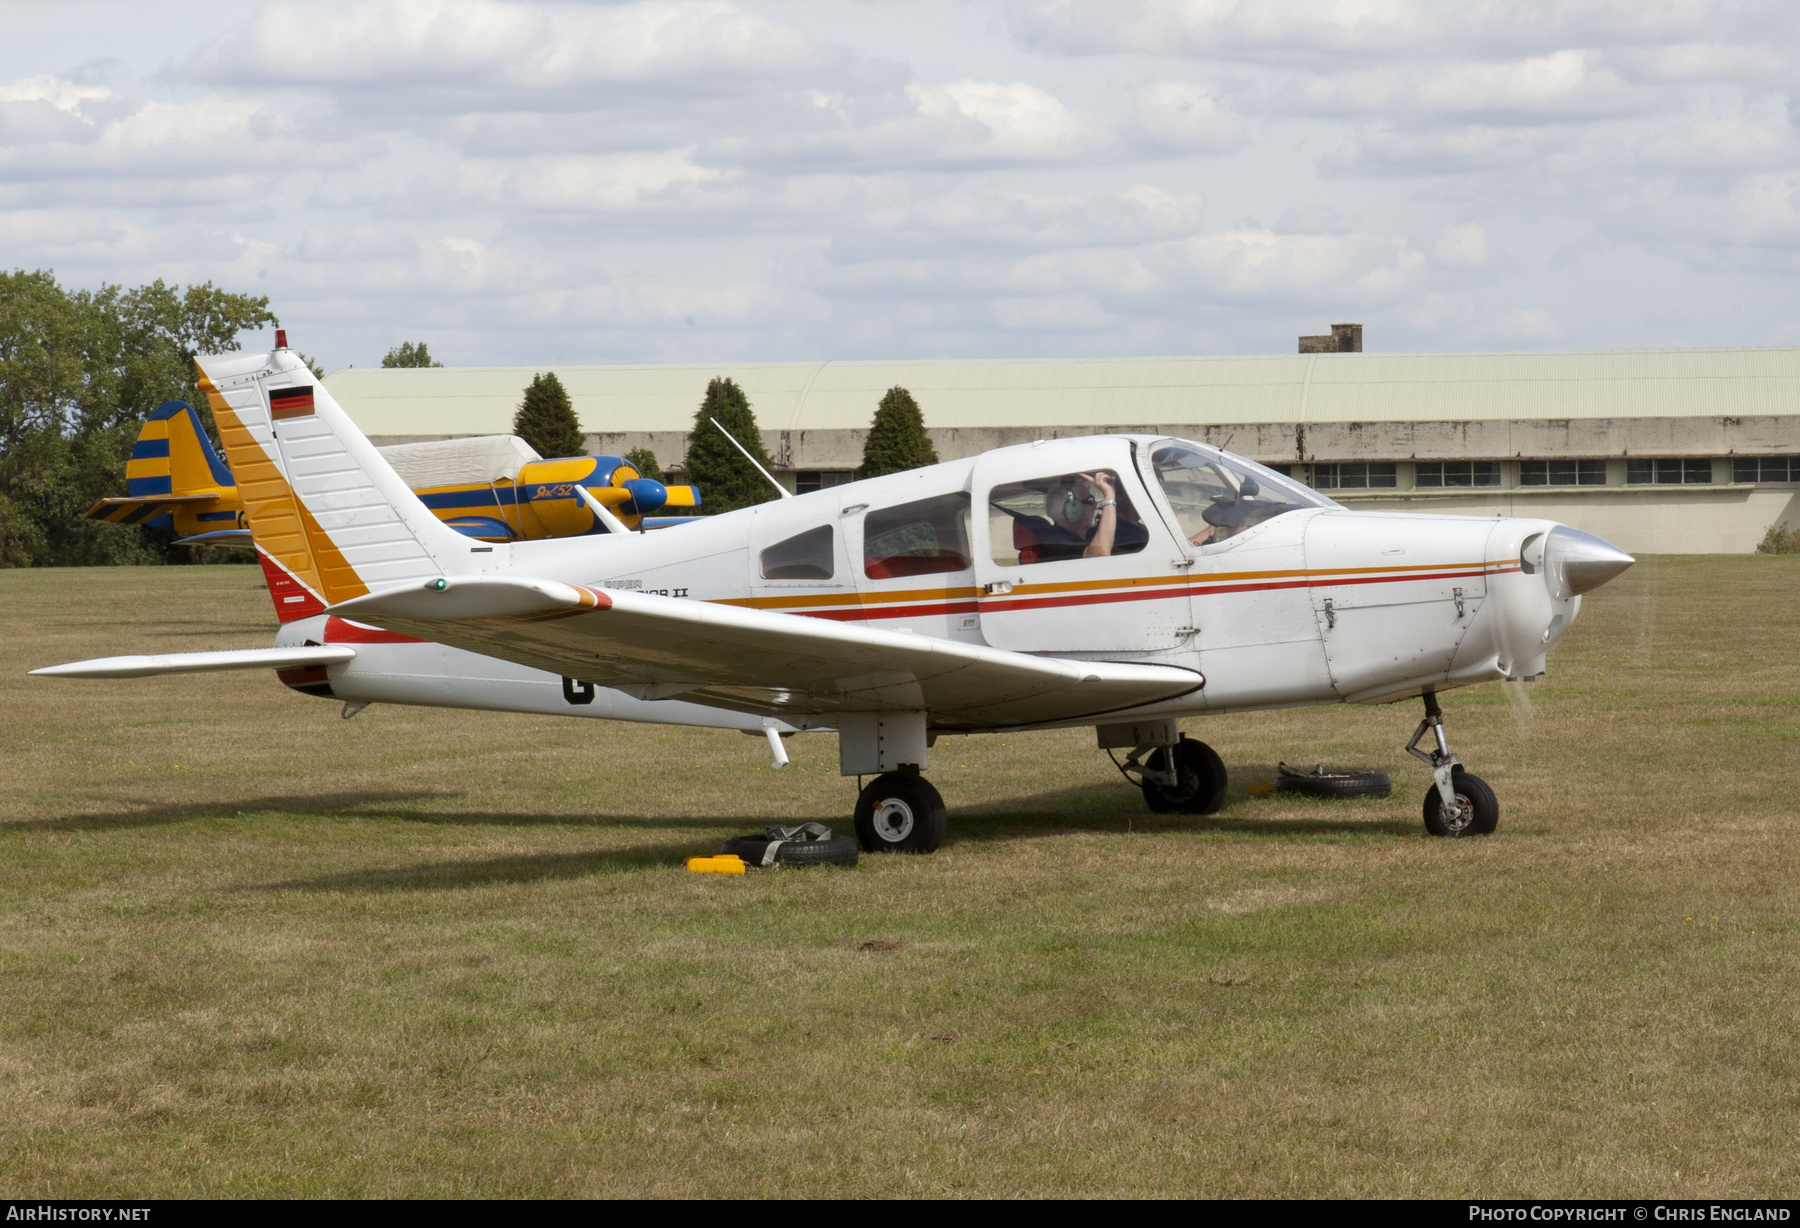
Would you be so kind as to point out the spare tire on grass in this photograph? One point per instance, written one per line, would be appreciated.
(809, 844)
(1333, 782)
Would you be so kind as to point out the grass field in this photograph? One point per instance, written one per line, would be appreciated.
(249, 948)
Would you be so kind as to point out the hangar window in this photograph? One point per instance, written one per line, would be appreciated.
(804, 556)
(927, 537)
(1766, 469)
(1456, 473)
(1562, 473)
(808, 480)
(1355, 476)
(1047, 520)
(1664, 472)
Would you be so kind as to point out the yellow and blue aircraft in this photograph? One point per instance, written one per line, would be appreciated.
(175, 480)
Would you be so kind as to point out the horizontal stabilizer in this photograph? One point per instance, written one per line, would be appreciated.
(200, 662)
(219, 537)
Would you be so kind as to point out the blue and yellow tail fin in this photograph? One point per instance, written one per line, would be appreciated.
(175, 480)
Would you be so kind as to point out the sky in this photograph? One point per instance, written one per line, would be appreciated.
(517, 182)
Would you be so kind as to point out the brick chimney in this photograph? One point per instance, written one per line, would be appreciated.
(1342, 339)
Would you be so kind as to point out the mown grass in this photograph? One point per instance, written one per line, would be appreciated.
(248, 948)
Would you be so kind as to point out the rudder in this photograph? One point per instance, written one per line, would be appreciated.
(321, 503)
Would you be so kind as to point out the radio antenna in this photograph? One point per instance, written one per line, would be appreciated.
(781, 490)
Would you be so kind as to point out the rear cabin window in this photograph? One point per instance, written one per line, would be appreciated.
(804, 556)
(925, 538)
(1050, 519)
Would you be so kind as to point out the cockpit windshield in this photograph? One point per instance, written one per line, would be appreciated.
(1216, 495)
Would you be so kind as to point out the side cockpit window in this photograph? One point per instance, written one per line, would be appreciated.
(1063, 516)
(923, 538)
(804, 556)
(1216, 496)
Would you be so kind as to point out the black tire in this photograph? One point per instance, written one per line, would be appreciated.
(1334, 783)
(1202, 776)
(899, 812)
(837, 851)
(1480, 810)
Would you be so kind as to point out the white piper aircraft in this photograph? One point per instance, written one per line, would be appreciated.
(1117, 581)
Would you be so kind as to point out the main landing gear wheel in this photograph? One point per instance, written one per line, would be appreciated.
(1201, 776)
(1476, 812)
(899, 812)
(1458, 803)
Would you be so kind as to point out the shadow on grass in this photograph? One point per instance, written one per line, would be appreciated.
(317, 805)
(390, 807)
(1092, 809)
(457, 875)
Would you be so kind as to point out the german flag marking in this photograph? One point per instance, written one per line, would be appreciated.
(290, 402)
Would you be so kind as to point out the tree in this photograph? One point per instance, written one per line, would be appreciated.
(644, 461)
(546, 420)
(726, 480)
(410, 354)
(79, 372)
(897, 440)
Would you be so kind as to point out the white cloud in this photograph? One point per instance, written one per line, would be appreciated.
(1014, 122)
(524, 174)
(58, 93)
(1189, 116)
(1383, 149)
(210, 149)
(1526, 324)
(1461, 247)
(1720, 143)
(1273, 29)
(464, 44)
(615, 183)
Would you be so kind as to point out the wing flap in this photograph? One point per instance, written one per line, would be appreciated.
(200, 662)
(757, 660)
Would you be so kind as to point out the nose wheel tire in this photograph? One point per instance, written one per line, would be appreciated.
(1201, 776)
(1477, 813)
(899, 812)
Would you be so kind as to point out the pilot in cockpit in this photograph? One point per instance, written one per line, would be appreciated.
(1088, 519)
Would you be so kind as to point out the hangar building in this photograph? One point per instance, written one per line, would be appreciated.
(1672, 451)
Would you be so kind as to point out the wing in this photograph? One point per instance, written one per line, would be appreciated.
(756, 660)
(200, 662)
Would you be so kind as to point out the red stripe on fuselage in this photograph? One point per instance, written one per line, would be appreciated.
(1197, 588)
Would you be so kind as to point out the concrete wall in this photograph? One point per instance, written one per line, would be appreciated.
(1720, 518)
(1640, 519)
(1281, 443)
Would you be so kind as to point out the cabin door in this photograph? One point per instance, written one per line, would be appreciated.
(1048, 579)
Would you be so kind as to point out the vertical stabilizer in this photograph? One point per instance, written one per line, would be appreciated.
(321, 503)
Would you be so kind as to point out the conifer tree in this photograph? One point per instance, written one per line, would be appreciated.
(644, 461)
(897, 440)
(547, 421)
(726, 480)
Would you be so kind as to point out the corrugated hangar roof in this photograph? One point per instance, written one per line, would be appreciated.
(1104, 392)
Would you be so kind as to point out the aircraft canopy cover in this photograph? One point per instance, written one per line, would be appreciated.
(460, 462)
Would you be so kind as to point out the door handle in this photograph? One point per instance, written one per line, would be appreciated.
(997, 587)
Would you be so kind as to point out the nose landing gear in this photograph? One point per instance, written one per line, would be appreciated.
(1458, 803)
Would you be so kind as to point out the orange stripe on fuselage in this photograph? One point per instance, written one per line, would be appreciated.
(919, 603)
